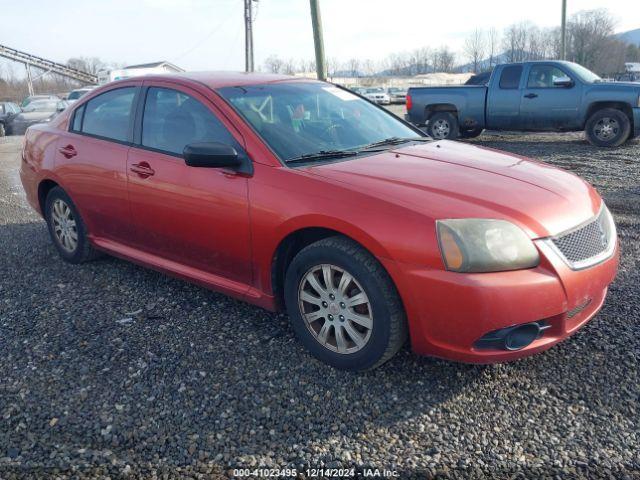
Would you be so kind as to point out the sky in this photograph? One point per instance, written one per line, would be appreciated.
(209, 34)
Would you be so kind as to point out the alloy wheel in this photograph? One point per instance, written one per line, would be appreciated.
(335, 308)
(606, 128)
(64, 225)
(441, 129)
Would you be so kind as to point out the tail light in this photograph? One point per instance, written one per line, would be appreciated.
(409, 102)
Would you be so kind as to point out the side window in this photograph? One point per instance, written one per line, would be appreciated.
(109, 115)
(76, 125)
(543, 76)
(173, 120)
(2, 108)
(510, 78)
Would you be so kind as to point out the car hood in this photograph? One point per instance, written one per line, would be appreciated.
(448, 179)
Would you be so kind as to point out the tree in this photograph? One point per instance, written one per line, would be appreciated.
(590, 38)
(87, 64)
(474, 48)
(273, 64)
(353, 67)
(446, 59)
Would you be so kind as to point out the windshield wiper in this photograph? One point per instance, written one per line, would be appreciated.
(323, 154)
(395, 141)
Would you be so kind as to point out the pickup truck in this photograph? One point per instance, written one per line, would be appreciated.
(531, 96)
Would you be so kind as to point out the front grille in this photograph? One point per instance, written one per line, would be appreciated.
(587, 244)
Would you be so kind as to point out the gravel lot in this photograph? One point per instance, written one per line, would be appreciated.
(112, 369)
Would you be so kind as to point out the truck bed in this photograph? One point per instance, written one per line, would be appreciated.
(470, 99)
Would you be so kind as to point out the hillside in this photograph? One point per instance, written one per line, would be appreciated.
(632, 36)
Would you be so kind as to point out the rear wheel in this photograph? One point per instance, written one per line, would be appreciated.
(343, 306)
(608, 127)
(443, 125)
(67, 230)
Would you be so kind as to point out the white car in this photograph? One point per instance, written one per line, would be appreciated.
(378, 95)
(75, 95)
(397, 95)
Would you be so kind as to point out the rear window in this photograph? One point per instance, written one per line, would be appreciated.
(109, 115)
(510, 78)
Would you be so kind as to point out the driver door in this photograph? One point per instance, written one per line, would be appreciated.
(195, 217)
(544, 105)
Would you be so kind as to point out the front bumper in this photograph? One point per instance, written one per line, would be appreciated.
(449, 312)
(636, 121)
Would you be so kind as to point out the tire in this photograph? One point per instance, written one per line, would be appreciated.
(608, 127)
(58, 217)
(3, 130)
(476, 132)
(370, 286)
(443, 125)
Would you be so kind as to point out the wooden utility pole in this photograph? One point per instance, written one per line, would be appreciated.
(316, 20)
(248, 36)
(563, 32)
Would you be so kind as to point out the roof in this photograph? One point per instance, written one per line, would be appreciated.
(156, 64)
(216, 80)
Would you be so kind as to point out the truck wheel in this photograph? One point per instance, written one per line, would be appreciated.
(608, 127)
(471, 133)
(343, 306)
(443, 125)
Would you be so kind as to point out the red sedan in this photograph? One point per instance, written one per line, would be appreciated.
(299, 195)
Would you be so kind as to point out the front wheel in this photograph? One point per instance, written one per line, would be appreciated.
(608, 127)
(443, 125)
(343, 306)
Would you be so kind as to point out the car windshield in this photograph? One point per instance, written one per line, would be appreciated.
(585, 74)
(41, 106)
(304, 118)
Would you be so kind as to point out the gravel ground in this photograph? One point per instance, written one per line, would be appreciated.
(110, 369)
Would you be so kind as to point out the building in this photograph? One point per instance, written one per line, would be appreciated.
(106, 76)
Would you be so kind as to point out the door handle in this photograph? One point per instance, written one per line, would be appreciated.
(143, 169)
(531, 95)
(68, 151)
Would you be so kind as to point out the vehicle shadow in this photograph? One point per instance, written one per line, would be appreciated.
(137, 366)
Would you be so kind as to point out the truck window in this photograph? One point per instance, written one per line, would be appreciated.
(510, 78)
(542, 76)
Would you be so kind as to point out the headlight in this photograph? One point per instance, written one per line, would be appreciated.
(484, 245)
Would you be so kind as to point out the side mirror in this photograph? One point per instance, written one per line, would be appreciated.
(211, 155)
(562, 82)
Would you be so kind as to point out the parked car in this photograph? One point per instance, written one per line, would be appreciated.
(37, 111)
(293, 194)
(397, 95)
(74, 95)
(542, 96)
(33, 98)
(377, 95)
(8, 110)
(359, 90)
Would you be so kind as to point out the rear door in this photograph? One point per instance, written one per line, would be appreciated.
(546, 106)
(196, 217)
(91, 158)
(503, 99)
